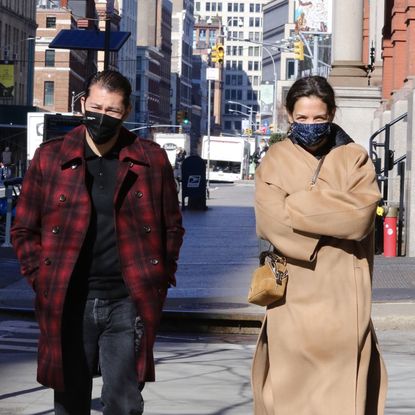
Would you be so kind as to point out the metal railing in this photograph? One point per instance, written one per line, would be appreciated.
(382, 173)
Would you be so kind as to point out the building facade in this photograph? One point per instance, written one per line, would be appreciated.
(181, 62)
(154, 49)
(17, 37)
(242, 22)
(17, 34)
(60, 74)
(127, 55)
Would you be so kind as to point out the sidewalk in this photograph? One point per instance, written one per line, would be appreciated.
(218, 256)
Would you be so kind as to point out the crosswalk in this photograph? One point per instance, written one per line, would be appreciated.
(18, 336)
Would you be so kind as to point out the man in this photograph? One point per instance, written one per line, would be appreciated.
(97, 233)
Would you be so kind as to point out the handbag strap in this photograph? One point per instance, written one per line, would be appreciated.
(317, 172)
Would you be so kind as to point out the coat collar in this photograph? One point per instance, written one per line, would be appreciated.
(72, 149)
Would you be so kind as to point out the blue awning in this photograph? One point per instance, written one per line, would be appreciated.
(88, 40)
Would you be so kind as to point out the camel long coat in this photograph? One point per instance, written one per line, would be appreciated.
(317, 352)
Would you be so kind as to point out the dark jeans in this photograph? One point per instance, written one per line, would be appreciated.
(100, 332)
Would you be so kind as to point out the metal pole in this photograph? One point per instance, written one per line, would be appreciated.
(9, 197)
(208, 135)
(107, 42)
(401, 173)
(73, 102)
(315, 55)
(30, 70)
(386, 163)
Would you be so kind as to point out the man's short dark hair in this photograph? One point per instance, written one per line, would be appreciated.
(112, 81)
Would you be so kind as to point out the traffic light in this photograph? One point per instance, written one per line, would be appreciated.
(180, 116)
(220, 50)
(185, 118)
(299, 50)
(214, 55)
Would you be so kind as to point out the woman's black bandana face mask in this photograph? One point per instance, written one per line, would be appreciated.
(310, 135)
(101, 127)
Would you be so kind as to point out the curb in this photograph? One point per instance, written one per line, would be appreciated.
(385, 316)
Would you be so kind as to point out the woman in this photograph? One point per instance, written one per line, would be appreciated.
(317, 352)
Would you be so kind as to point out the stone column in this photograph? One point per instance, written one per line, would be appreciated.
(347, 67)
(399, 44)
(376, 21)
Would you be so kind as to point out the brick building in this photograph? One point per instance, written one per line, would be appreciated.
(60, 73)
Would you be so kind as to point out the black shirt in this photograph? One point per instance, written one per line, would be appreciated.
(99, 261)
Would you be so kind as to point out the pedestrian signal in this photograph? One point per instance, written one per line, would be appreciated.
(299, 50)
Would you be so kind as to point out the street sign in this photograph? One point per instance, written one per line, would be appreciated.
(212, 74)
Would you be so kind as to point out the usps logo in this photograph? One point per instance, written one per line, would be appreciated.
(193, 181)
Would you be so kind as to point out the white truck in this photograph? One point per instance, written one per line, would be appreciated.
(172, 143)
(228, 157)
(42, 126)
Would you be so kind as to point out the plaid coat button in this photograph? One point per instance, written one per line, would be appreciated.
(62, 198)
(154, 261)
(47, 261)
(147, 229)
(56, 230)
(139, 194)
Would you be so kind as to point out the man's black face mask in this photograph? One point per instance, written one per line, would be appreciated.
(101, 127)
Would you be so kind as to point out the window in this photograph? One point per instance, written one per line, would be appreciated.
(229, 7)
(241, 7)
(197, 6)
(219, 7)
(50, 58)
(228, 125)
(235, 7)
(252, 95)
(208, 6)
(50, 22)
(49, 93)
(290, 69)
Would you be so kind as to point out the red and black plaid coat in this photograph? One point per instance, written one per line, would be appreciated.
(52, 218)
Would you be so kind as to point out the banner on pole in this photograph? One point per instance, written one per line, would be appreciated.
(6, 79)
(313, 16)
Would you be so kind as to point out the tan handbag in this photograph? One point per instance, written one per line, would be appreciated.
(269, 280)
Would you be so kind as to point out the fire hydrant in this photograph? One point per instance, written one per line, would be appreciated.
(389, 232)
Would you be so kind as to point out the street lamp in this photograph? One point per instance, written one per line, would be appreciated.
(245, 106)
(74, 99)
